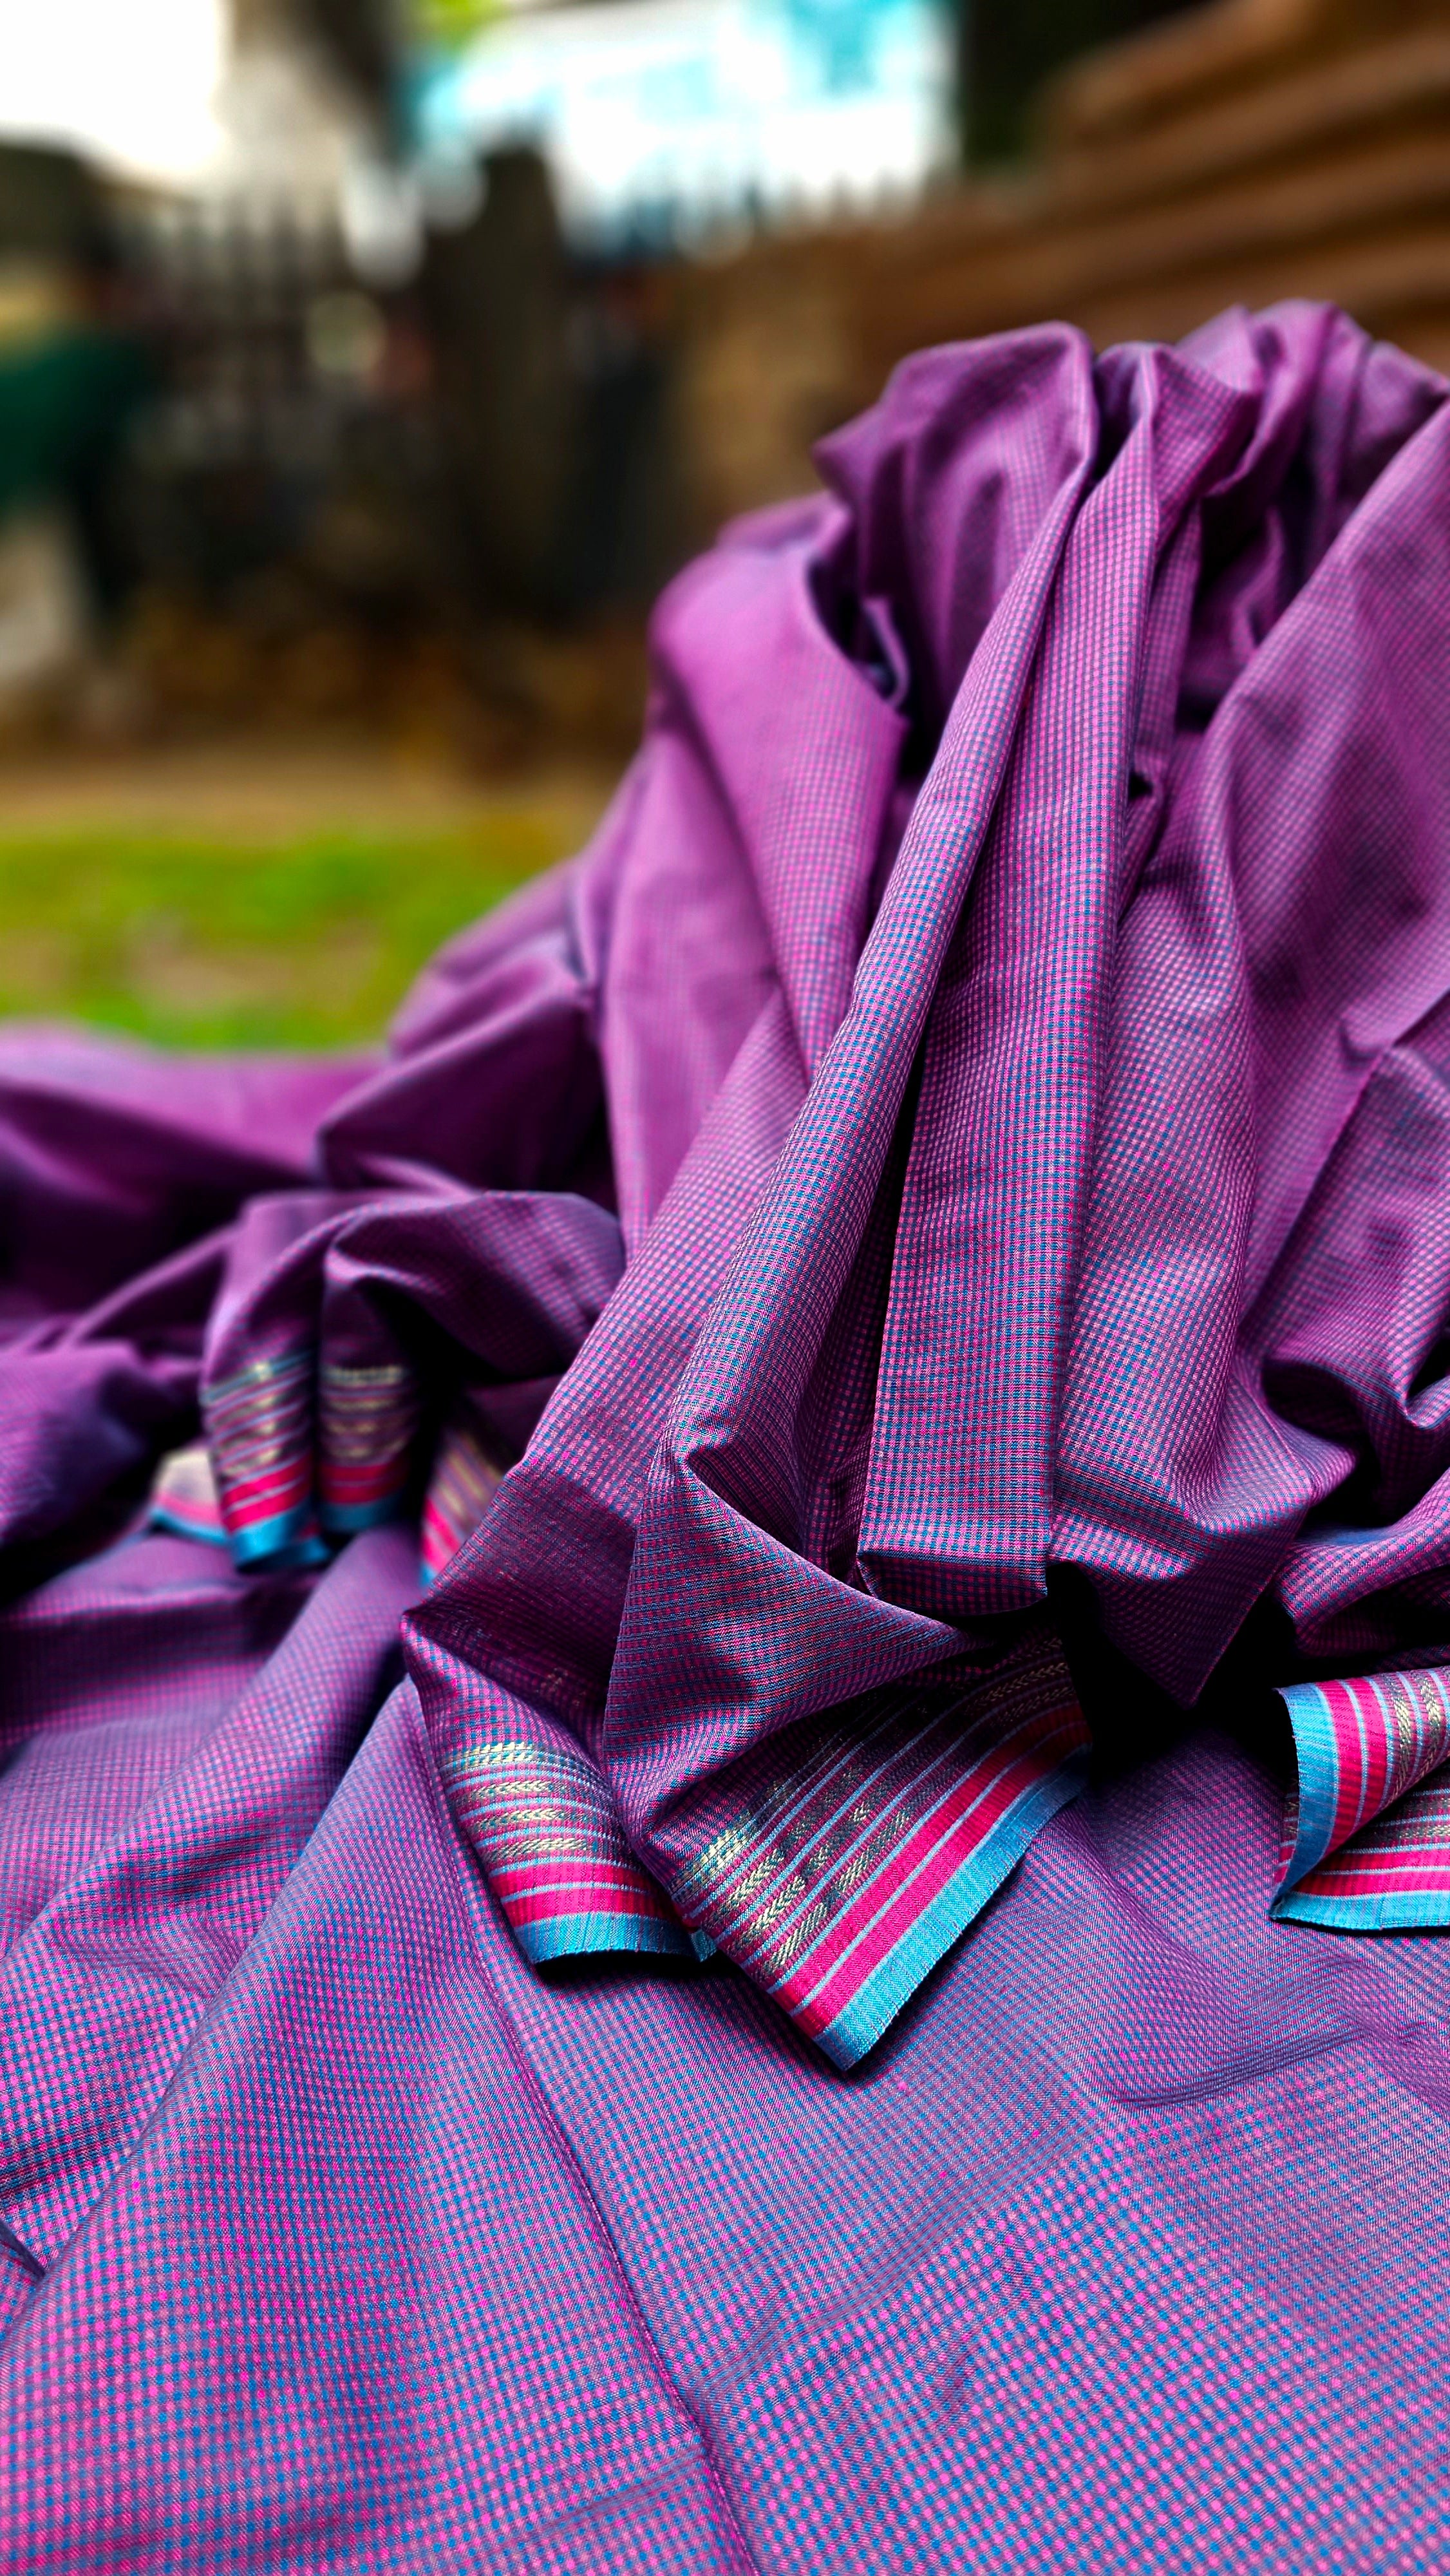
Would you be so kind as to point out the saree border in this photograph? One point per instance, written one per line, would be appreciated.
(1367, 1839)
(367, 1418)
(867, 1841)
(550, 1844)
(258, 1425)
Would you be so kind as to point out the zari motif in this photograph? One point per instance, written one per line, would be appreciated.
(866, 1841)
(366, 1421)
(553, 1852)
(259, 1432)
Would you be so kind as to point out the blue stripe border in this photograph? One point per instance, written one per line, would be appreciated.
(159, 1518)
(876, 2004)
(288, 1540)
(1412, 1910)
(1317, 1756)
(569, 1936)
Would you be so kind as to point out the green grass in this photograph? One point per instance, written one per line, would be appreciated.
(196, 940)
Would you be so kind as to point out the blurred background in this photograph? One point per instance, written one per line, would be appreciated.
(366, 365)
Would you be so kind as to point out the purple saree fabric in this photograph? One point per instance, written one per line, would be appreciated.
(1053, 1277)
(893, 1306)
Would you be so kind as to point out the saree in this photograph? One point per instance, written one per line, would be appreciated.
(726, 1690)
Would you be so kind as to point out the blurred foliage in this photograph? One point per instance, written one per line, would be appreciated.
(452, 23)
(209, 942)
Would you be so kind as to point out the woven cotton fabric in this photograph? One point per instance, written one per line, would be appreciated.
(707, 1682)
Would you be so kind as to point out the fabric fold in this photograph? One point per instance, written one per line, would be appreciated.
(987, 1310)
(344, 1324)
(839, 1862)
(551, 1846)
(1367, 1828)
(967, 1136)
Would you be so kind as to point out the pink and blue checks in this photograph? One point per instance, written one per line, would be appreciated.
(903, 1296)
